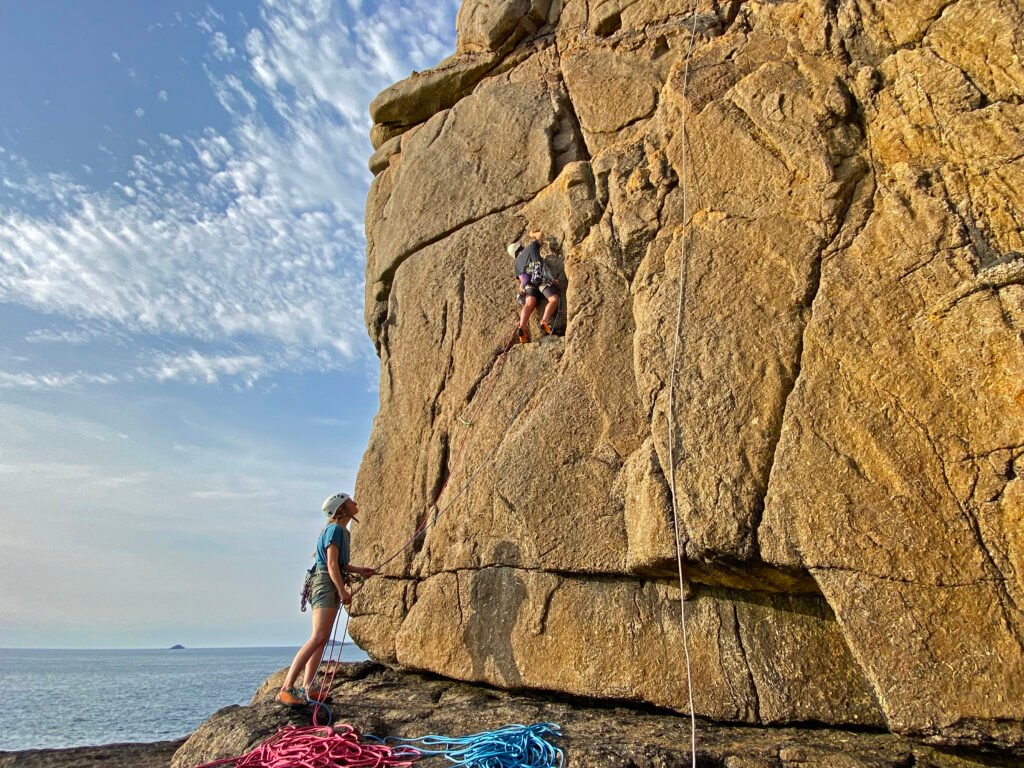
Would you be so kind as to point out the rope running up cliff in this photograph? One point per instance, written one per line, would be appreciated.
(676, 354)
(431, 519)
(678, 350)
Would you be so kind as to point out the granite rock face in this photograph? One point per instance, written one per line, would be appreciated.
(844, 215)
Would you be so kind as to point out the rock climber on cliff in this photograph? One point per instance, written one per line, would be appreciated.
(328, 590)
(535, 280)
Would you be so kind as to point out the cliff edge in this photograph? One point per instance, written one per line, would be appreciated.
(849, 393)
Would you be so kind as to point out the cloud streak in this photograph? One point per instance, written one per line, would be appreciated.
(248, 240)
(191, 367)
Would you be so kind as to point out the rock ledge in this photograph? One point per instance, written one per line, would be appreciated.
(383, 701)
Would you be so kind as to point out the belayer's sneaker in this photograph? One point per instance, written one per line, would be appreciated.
(292, 697)
(545, 328)
(522, 336)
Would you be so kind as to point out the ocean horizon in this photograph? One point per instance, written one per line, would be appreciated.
(88, 697)
(177, 647)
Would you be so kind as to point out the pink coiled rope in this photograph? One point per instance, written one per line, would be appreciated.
(319, 747)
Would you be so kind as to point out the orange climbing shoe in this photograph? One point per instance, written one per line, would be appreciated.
(293, 697)
(545, 328)
(522, 336)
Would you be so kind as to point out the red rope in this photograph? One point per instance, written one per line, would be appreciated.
(338, 747)
(332, 665)
(318, 747)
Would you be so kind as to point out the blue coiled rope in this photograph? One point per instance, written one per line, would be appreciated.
(514, 746)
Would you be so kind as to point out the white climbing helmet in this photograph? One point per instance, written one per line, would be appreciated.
(333, 503)
(513, 249)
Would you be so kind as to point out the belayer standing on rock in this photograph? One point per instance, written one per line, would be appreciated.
(328, 590)
(535, 280)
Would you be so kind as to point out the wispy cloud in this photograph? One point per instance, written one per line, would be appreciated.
(44, 381)
(329, 421)
(233, 495)
(191, 367)
(221, 47)
(51, 336)
(210, 19)
(248, 238)
(195, 367)
(217, 257)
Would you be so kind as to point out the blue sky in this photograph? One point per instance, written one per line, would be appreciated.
(184, 372)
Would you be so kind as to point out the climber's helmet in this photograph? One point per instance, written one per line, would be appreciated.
(333, 503)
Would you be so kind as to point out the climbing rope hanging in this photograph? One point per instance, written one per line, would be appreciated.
(430, 520)
(677, 342)
(332, 664)
(316, 746)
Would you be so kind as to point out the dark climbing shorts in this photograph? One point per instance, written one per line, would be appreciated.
(547, 289)
(325, 595)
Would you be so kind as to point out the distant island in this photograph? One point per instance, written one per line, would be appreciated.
(178, 647)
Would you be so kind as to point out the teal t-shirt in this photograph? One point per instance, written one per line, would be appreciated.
(332, 534)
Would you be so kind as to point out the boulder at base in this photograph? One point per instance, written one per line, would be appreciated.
(384, 702)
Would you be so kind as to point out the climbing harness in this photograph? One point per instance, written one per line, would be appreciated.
(514, 746)
(683, 262)
(317, 747)
(528, 261)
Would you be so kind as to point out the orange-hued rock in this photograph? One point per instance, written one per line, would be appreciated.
(843, 213)
(383, 702)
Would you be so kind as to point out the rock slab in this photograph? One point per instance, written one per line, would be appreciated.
(825, 197)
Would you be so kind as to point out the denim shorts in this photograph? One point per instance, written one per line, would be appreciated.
(325, 594)
(536, 290)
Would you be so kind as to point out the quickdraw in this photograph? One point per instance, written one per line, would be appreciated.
(307, 588)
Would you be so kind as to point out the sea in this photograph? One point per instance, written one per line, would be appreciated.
(76, 698)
